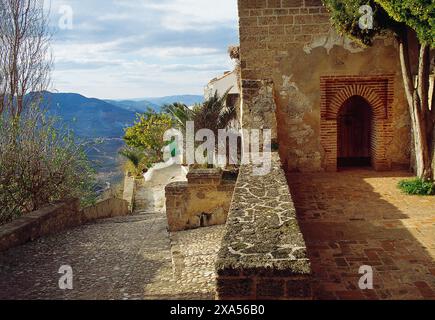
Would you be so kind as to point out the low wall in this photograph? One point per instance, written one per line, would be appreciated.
(202, 201)
(56, 218)
(108, 208)
(129, 191)
(263, 254)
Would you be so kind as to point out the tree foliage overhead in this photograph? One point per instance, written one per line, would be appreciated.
(417, 14)
(25, 55)
(346, 16)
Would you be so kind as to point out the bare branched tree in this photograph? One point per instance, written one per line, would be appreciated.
(25, 57)
(40, 159)
(2, 59)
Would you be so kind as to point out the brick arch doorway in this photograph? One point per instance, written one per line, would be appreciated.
(379, 92)
(354, 133)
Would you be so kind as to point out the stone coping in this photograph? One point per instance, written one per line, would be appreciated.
(202, 201)
(209, 172)
(262, 236)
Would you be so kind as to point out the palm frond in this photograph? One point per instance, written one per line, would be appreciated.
(133, 155)
(212, 114)
(180, 113)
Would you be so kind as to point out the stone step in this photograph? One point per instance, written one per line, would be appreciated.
(126, 219)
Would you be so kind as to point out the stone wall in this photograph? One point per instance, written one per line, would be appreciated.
(129, 191)
(263, 254)
(289, 45)
(56, 218)
(202, 201)
(259, 106)
(108, 208)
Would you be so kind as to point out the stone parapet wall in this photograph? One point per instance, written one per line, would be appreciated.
(205, 176)
(56, 218)
(263, 253)
(201, 202)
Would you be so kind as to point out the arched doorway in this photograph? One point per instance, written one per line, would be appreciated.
(354, 133)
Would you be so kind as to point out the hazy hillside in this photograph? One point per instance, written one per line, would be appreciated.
(102, 122)
(98, 122)
(89, 117)
(135, 106)
(156, 104)
(186, 99)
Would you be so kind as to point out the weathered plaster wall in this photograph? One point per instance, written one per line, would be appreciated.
(259, 108)
(291, 44)
(222, 84)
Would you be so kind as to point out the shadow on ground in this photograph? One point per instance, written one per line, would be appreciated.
(359, 217)
(105, 257)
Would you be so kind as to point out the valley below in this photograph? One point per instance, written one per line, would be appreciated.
(101, 124)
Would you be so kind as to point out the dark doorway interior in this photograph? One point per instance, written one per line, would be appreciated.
(354, 133)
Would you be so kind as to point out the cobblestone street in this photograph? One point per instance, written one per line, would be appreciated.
(348, 219)
(356, 218)
(120, 258)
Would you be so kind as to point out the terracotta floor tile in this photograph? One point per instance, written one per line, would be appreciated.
(363, 219)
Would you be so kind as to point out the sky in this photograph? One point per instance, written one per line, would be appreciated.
(126, 49)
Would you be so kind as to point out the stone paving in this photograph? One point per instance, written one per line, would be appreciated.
(359, 217)
(192, 273)
(120, 258)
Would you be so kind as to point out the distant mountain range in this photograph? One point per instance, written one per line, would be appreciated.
(89, 117)
(95, 118)
(134, 106)
(141, 105)
(104, 121)
(188, 100)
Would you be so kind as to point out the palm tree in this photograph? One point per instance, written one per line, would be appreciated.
(213, 114)
(135, 160)
(180, 114)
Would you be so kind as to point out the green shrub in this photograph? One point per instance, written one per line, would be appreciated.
(417, 187)
(40, 162)
(147, 133)
(137, 160)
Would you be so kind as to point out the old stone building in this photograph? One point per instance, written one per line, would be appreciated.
(328, 101)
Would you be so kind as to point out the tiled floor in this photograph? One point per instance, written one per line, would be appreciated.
(359, 217)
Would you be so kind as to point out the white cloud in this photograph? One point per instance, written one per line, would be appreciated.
(174, 52)
(137, 48)
(190, 14)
